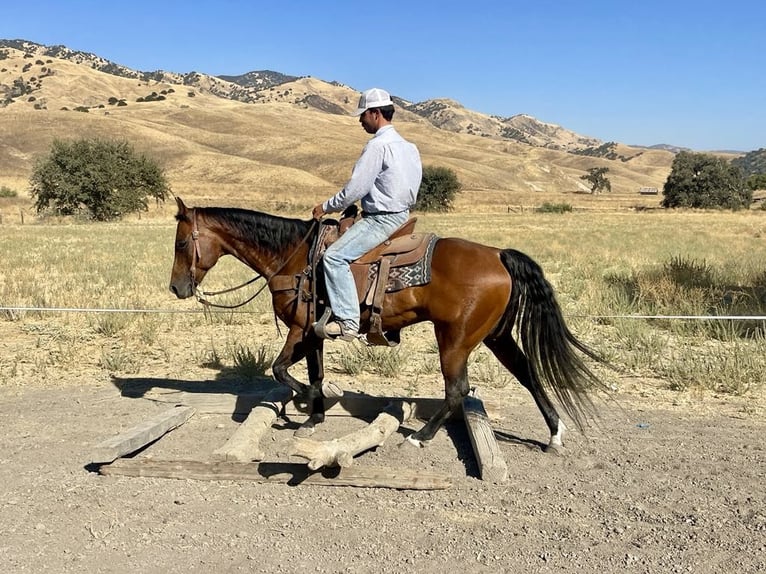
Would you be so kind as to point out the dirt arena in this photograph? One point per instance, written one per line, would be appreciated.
(669, 482)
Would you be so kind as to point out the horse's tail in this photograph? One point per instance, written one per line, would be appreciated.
(549, 345)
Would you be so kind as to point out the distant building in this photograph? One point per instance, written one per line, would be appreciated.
(648, 191)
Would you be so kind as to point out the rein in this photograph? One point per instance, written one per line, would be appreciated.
(200, 294)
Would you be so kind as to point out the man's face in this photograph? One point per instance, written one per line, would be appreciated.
(369, 121)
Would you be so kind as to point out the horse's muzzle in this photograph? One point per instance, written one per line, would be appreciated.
(182, 292)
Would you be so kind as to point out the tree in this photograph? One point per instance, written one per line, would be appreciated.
(757, 181)
(596, 176)
(105, 179)
(705, 181)
(753, 162)
(438, 189)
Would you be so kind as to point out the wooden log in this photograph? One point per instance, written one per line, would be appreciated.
(341, 451)
(492, 465)
(140, 435)
(244, 444)
(286, 473)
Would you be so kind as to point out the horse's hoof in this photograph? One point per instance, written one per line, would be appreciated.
(331, 390)
(416, 442)
(555, 449)
(305, 430)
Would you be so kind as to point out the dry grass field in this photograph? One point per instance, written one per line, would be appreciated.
(604, 265)
(671, 479)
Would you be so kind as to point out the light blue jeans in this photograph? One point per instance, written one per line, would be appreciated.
(365, 234)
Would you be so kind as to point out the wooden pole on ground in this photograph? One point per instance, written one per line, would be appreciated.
(352, 404)
(280, 472)
(244, 444)
(491, 462)
(341, 451)
(140, 435)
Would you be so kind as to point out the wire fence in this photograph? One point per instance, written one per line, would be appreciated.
(245, 311)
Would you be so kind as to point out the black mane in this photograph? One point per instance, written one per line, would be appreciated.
(271, 232)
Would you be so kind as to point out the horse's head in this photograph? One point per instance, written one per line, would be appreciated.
(197, 250)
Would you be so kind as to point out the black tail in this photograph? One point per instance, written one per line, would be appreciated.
(549, 345)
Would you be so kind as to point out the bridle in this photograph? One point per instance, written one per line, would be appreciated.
(201, 295)
(198, 292)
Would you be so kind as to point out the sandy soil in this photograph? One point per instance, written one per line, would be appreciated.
(668, 483)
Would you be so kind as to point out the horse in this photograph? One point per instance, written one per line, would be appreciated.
(476, 294)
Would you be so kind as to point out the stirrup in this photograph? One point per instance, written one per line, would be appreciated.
(320, 328)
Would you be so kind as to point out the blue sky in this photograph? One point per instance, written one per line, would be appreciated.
(685, 73)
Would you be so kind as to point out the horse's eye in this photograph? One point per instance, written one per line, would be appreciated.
(181, 245)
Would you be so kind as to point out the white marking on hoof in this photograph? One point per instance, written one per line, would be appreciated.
(305, 430)
(556, 444)
(415, 442)
(331, 390)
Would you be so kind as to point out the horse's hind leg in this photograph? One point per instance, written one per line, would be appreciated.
(454, 368)
(513, 359)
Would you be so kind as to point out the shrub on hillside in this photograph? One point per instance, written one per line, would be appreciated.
(438, 189)
(705, 181)
(103, 179)
(548, 207)
(6, 191)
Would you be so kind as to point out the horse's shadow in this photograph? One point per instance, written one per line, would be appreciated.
(247, 391)
(531, 444)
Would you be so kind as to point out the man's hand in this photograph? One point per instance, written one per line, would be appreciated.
(318, 211)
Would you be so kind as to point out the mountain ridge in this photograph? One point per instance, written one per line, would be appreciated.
(300, 137)
(445, 113)
(249, 87)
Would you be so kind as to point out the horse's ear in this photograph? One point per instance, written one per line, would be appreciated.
(182, 210)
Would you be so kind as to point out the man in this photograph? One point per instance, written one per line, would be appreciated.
(386, 179)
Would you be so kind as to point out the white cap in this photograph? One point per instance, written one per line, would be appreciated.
(373, 98)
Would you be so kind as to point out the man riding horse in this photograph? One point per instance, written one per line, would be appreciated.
(386, 179)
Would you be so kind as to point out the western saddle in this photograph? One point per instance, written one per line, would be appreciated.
(371, 272)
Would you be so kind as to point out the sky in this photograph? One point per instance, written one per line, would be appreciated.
(678, 72)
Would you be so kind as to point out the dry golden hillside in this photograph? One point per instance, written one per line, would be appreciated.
(284, 150)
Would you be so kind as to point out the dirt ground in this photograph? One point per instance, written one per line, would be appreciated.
(669, 483)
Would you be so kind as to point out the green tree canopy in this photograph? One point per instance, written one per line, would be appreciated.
(438, 189)
(105, 179)
(757, 181)
(596, 176)
(705, 181)
(752, 163)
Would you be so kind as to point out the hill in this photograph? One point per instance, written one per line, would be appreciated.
(281, 139)
(752, 163)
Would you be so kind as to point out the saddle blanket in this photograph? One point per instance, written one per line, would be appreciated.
(418, 273)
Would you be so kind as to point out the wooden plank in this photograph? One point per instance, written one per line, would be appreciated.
(208, 403)
(279, 472)
(140, 435)
(362, 406)
(492, 465)
(350, 404)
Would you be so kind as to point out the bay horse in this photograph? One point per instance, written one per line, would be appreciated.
(477, 294)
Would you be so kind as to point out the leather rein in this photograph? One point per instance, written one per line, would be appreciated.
(201, 295)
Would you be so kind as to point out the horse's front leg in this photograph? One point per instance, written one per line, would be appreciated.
(308, 398)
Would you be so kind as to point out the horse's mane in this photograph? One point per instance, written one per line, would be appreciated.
(270, 232)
